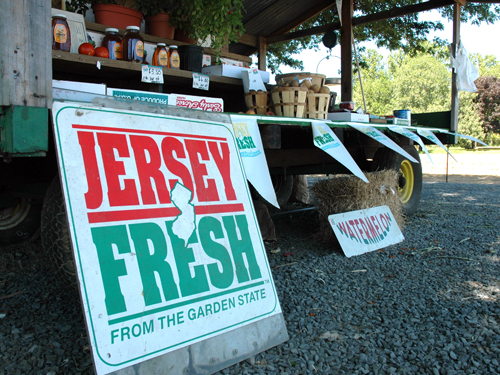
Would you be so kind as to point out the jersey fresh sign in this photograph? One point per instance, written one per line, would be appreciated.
(165, 238)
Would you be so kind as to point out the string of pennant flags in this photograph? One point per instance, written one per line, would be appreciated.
(255, 164)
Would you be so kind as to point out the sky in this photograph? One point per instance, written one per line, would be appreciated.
(476, 39)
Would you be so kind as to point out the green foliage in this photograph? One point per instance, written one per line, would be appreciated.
(221, 20)
(469, 122)
(420, 83)
(488, 102)
(406, 33)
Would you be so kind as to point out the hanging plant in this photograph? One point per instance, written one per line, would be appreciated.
(216, 21)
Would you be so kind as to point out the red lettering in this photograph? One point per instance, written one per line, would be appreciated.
(341, 226)
(148, 171)
(113, 169)
(372, 229)
(201, 104)
(349, 230)
(169, 146)
(204, 193)
(365, 228)
(224, 165)
(374, 221)
(93, 196)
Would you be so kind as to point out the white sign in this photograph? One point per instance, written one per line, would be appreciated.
(382, 138)
(432, 137)
(325, 139)
(165, 238)
(201, 81)
(362, 231)
(246, 131)
(152, 74)
(412, 136)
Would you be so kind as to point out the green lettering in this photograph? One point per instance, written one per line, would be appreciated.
(240, 247)
(151, 263)
(104, 238)
(220, 279)
(183, 256)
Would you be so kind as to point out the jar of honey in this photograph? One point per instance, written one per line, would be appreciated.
(133, 45)
(113, 43)
(160, 57)
(174, 60)
(61, 36)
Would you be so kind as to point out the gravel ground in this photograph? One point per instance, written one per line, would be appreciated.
(428, 305)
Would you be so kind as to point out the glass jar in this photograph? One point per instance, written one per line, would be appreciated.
(113, 43)
(61, 36)
(174, 60)
(133, 45)
(160, 57)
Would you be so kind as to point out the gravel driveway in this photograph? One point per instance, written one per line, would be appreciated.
(428, 305)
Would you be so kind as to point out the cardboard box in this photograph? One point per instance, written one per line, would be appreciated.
(207, 60)
(231, 71)
(398, 121)
(196, 102)
(348, 116)
(143, 96)
(92, 88)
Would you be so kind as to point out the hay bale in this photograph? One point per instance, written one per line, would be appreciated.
(345, 193)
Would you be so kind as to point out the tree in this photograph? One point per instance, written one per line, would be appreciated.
(401, 33)
(420, 83)
(488, 102)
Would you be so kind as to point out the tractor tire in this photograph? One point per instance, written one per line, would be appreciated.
(283, 186)
(410, 189)
(55, 235)
(20, 221)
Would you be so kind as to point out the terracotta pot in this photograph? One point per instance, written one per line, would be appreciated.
(117, 16)
(182, 36)
(157, 25)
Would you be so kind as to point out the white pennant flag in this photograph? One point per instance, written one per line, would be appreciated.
(382, 138)
(247, 135)
(411, 135)
(325, 139)
(432, 137)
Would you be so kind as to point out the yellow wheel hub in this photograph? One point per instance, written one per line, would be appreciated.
(406, 191)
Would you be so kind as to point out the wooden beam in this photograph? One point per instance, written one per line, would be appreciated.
(249, 40)
(454, 77)
(461, 2)
(392, 13)
(304, 17)
(346, 52)
(262, 53)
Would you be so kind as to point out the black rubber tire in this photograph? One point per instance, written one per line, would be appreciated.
(55, 235)
(411, 192)
(283, 186)
(20, 222)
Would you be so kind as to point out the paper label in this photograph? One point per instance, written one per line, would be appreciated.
(152, 74)
(201, 81)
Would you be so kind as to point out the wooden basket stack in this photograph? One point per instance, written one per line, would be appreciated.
(257, 101)
(317, 105)
(289, 101)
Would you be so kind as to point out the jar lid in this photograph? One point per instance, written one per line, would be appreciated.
(133, 28)
(111, 30)
(161, 45)
(60, 16)
(172, 46)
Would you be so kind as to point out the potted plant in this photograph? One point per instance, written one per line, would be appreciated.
(157, 17)
(114, 13)
(216, 21)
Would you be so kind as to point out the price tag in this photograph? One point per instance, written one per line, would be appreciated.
(201, 81)
(152, 74)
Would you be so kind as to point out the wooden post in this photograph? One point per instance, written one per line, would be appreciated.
(346, 51)
(262, 45)
(26, 51)
(454, 89)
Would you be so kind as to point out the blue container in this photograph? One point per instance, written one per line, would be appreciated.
(402, 113)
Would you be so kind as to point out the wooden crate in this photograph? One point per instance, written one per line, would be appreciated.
(258, 102)
(317, 106)
(316, 79)
(289, 101)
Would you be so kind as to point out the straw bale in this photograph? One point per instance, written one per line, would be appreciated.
(345, 193)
